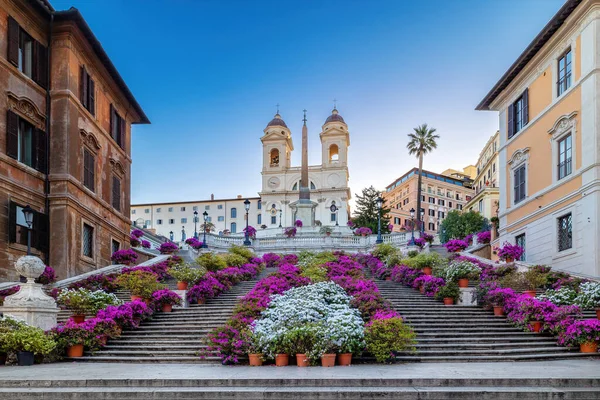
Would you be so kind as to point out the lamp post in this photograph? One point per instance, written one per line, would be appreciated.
(195, 224)
(246, 237)
(412, 227)
(28, 213)
(379, 203)
(205, 215)
(171, 235)
(280, 212)
(422, 221)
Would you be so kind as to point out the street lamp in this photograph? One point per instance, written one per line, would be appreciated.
(280, 211)
(412, 227)
(205, 216)
(246, 237)
(28, 213)
(379, 203)
(171, 235)
(195, 223)
(422, 221)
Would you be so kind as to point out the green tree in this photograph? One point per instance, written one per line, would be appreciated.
(422, 141)
(457, 225)
(366, 211)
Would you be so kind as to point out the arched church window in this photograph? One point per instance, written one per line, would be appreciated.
(295, 187)
(334, 152)
(312, 186)
(274, 157)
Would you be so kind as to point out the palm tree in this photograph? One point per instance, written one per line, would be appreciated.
(421, 142)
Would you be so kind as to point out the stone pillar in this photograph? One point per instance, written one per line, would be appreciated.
(30, 303)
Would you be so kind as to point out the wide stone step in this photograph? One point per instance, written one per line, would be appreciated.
(149, 353)
(468, 345)
(148, 359)
(486, 358)
(490, 352)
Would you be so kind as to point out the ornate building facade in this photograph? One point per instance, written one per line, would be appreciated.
(327, 182)
(65, 149)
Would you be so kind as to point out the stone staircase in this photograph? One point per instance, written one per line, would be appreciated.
(175, 337)
(64, 315)
(466, 333)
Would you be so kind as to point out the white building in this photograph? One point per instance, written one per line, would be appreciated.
(328, 181)
(178, 217)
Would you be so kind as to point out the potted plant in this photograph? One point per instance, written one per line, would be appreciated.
(326, 230)
(28, 341)
(73, 337)
(77, 301)
(535, 279)
(298, 223)
(194, 243)
(185, 275)
(386, 336)
(124, 256)
(484, 237)
(255, 357)
(290, 232)
(168, 248)
(455, 245)
(141, 284)
(584, 333)
(461, 272)
(449, 293)
(166, 299)
(518, 282)
(363, 231)
(509, 252)
(47, 277)
(281, 348)
(251, 231)
(498, 298)
(301, 341)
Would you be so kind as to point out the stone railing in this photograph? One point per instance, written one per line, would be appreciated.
(307, 242)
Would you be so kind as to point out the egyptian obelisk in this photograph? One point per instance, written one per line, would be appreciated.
(305, 209)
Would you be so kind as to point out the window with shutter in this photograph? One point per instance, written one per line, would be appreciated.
(87, 90)
(41, 162)
(117, 127)
(89, 164)
(13, 41)
(83, 86)
(519, 184)
(92, 96)
(40, 232)
(12, 135)
(116, 193)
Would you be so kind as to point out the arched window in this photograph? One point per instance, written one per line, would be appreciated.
(234, 213)
(312, 186)
(334, 152)
(233, 227)
(274, 158)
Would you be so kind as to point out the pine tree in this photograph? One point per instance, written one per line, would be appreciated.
(366, 211)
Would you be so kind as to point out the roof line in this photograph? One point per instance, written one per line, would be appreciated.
(73, 14)
(530, 51)
(192, 201)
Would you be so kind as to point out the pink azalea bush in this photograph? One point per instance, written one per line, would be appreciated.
(363, 231)
(509, 251)
(251, 231)
(194, 243)
(124, 256)
(456, 245)
(47, 277)
(582, 331)
(298, 223)
(484, 237)
(168, 248)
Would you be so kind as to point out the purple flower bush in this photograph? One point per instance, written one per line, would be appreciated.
(290, 232)
(580, 332)
(134, 237)
(363, 231)
(251, 231)
(124, 256)
(509, 251)
(47, 277)
(484, 237)
(146, 244)
(499, 296)
(165, 297)
(431, 284)
(298, 223)
(194, 243)
(137, 233)
(97, 282)
(428, 238)
(350, 224)
(420, 242)
(168, 248)
(456, 245)
(271, 260)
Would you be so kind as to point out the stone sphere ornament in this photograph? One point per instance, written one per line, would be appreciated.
(30, 267)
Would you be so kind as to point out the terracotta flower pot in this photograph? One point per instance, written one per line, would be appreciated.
(589, 347)
(537, 326)
(498, 311)
(282, 360)
(530, 293)
(78, 319)
(427, 270)
(302, 360)
(509, 259)
(421, 290)
(167, 308)
(598, 313)
(75, 351)
(463, 283)
(134, 298)
(328, 360)
(448, 301)
(182, 285)
(389, 278)
(201, 301)
(255, 360)
(344, 359)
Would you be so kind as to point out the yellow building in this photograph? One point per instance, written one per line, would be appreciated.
(549, 154)
(485, 182)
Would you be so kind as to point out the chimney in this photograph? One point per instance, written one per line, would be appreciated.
(212, 196)
(239, 196)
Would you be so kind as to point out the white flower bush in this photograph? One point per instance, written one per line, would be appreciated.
(562, 297)
(587, 298)
(462, 269)
(324, 308)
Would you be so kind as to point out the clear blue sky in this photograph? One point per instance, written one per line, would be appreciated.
(209, 73)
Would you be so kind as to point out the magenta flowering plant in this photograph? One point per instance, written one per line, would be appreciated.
(271, 260)
(499, 296)
(428, 238)
(290, 232)
(363, 231)
(298, 223)
(168, 248)
(97, 282)
(71, 333)
(47, 277)
(146, 244)
(124, 256)
(420, 242)
(137, 233)
(456, 245)
(251, 231)
(521, 310)
(166, 297)
(390, 227)
(383, 314)
(430, 284)
(194, 243)
(509, 251)
(350, 224)
(484, 237)
(134, 242)
(405, 275)
(468, 239)
(207, 287)
(582, 331)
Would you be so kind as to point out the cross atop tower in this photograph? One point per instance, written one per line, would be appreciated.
(304, 116)
(335, 104)
(277, 108)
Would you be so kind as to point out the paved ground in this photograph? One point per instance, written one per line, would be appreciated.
(581, 369)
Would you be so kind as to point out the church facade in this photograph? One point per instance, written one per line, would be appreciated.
(327, 183)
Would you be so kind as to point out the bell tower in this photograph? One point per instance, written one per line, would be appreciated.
(335, 141)
(277, 145)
